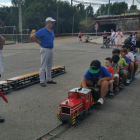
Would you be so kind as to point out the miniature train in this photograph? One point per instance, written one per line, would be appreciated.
(80, 101)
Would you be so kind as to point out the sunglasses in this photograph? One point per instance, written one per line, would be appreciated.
(52, 22)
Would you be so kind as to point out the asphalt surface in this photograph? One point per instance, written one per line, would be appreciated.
(31, 111)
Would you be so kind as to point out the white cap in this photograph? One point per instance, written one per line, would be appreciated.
(50, 19)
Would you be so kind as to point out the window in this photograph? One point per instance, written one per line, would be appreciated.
(71, 95)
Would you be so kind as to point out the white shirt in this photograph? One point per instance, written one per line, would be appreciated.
(131, 56)
(113, 34)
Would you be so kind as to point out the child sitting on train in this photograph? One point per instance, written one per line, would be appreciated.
(130, 56)
(123, 68)
(99, 75)
(116, 66)
(134, 63)
(123, 55)
(107, 64)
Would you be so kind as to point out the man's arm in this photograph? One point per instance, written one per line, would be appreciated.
(34, 38)
(84, 83)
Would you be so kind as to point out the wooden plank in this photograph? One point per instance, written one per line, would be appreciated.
(23, 76)
(56, 67)
(3, 82)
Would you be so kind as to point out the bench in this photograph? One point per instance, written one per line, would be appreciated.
(33, 77)
(4, 86)
(24, 80)
(57, 70)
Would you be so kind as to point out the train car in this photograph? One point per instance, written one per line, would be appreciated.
(79, 103)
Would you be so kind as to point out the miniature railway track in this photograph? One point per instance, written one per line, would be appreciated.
(55, 132)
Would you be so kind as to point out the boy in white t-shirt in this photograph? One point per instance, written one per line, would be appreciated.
(131, 57)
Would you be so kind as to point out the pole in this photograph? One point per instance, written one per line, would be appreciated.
(86, 14)
(71, 3)
(133, 2)
(20, 18)
(109, 8)
(124, 21)
(73, 26)
(57, 16)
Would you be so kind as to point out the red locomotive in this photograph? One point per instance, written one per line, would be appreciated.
(79, 103)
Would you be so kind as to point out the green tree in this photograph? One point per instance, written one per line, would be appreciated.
(90, 11)
(116, 8)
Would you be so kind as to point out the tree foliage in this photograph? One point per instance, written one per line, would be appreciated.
(116, 8)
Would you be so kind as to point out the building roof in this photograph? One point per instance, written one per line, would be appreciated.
(112, 16)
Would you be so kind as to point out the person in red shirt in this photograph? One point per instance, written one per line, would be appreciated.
(80, 36)
(107, 64)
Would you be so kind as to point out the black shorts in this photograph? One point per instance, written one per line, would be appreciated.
(87, 41)
(79, 36)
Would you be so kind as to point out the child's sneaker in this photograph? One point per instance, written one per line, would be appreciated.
(133, 77)
(121, 85)
(117, 89)
(127, 81)
(100, 101)
(130, 79)
(111, 93)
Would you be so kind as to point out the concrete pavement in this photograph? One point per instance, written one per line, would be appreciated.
(31, 111)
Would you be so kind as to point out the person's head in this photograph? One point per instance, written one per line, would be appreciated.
(111, 30)
(123, 52)
(104, 31)
(127, 47)
(95, 67)
(133, 33)
(115, 59)
(107, 62)
(119, 30)
(49, 22)
(116, 52)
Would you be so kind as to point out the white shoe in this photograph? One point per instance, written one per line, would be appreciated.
(100, 101)
(127, 81)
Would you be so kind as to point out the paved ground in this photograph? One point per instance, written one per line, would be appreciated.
(31, 112)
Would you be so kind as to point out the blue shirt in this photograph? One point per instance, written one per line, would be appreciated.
(127, 60)
(46, 38)
(101, 74)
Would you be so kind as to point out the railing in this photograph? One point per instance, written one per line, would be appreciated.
(25, 38)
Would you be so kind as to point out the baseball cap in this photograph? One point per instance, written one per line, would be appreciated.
(50, 19)
(95, 66)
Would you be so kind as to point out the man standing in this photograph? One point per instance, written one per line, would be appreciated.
(112, 38)
(104, 38)
(2, 41)
(46, 39)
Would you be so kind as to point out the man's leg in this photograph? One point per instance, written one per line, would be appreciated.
(44, 59)
(49, 67)
(104, 88)
(49, 64)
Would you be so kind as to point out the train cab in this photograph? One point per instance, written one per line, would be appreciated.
(79, 100)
